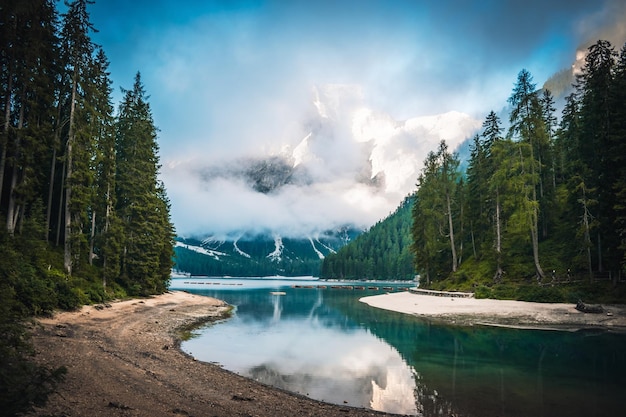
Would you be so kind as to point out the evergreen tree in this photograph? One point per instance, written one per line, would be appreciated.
(594, 85)
(77, 50)
(105, 227)
(140, 199)
(527, 124)
(28, 54)
(617, 147)
(435, 213)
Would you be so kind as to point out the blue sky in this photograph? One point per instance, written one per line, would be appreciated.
(227, 78)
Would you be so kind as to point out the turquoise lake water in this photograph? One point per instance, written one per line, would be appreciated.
(325, 344)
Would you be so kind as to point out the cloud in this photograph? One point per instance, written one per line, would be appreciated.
(353, 167)
(230, 81)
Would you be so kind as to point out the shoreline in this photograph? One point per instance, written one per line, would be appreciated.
(124, 359)
(500, 313)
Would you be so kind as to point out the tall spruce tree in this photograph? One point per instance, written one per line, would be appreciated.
(105, 229)
(77, 50)
(527, 125)
(617, 151)
(435, 214)
(140, 199)
(594, 85)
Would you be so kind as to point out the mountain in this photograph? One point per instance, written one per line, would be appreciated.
(350, 168)
(259, 255)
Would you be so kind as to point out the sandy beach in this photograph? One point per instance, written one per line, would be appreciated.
(471, 311)
(123, 359)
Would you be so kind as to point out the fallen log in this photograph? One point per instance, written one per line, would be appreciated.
(589, 308)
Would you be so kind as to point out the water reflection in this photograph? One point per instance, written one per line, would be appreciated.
(325, 344)
(306, 347)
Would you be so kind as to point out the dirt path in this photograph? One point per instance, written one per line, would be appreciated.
(123, 360)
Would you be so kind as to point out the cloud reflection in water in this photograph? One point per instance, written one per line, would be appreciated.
(314, 357)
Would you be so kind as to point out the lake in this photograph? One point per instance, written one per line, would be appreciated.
(325, 344)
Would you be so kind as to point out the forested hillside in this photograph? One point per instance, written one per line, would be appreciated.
(260, 255)
(541, 201)
(84, 217)
(383, 252)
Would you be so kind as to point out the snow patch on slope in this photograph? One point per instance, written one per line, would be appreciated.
(239, 251)
(319, 254)
(212, 253)
(276, 255)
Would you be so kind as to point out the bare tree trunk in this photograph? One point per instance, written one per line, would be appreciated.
(498, 275)
(57, 134)
(600, 269)
(534, 234)
(473, 242)
(535, 239)
(11, 205)
(60, 210)
(91, 239)
(12, 213)
(67, 253)
(451, 230)
(50, 192)
(107, 222)
(587, 231)
(5, 127)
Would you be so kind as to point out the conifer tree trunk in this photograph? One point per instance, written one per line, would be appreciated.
(12, 211)
(498, 274)
(5, 128)
(451, 230)
(91, 238)
(67, 253)
(53, 170)
(50, 192)
(60, 208)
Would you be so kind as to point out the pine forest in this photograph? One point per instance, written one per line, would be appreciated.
(85, 218)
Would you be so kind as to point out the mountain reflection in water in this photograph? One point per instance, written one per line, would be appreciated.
(312, 351)
(327, 345)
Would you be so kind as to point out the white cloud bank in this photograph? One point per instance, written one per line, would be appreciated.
(355, 166)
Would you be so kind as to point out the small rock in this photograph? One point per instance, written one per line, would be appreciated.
(113, 404)
(241, 398)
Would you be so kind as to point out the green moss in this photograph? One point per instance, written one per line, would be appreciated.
(191, 330)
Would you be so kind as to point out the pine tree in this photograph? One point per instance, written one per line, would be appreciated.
(105, 227)
(594, 85)
(140, 199)
(435, 213)
(77, 50)
(527, 125)
(27, 63)
(617, 148)
(548, 163)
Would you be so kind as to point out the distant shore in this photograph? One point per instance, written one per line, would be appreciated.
(521, 314)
